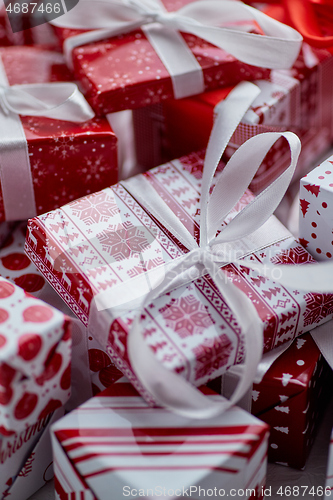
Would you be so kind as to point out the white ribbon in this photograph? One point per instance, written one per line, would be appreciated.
(207, 19)
(60, 101)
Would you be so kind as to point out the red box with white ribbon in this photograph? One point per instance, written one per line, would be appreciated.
(315, 212)
(133, 69)
(108, 241)
(298, 99)
(115, 442)
(62, 160)
(35, 359)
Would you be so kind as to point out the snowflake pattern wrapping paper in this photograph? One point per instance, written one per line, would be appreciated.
(115, 441)
(107, 239)
(125, 72)
(35, 359)
(299, 99)
(315, 211)
(291, 398)
(67, 160)
(26, 461)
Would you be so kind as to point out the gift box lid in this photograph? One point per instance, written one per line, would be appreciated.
(115, 440)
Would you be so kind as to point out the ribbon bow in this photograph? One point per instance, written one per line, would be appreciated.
(218, 246)
(61, 101)
(277, 48)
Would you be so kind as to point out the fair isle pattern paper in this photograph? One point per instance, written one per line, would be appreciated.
(107, 238)
(115, 441)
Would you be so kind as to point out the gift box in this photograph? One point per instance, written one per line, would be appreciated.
(91, 369)
(315, 217)
(65, 160)
(116, 442)
(298, 99)
(126, 72)
(35, 375)
(108, 241)
(291, 398)
(26, 459)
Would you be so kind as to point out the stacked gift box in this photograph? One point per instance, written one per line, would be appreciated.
(96, 245)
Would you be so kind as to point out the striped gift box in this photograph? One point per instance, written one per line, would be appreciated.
(116, 443)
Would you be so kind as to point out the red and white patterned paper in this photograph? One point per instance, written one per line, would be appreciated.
(106, 239)
(291, 398)
(35, 359)
(124, 72)
(91, 366)
(26, 462)
(116, 441)
(315, 217)
(68, 160)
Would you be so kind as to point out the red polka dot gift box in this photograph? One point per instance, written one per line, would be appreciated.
(35, 359)
(315, 211)
(115, 442)
(55, 160)
(108, 243)
(132, 69)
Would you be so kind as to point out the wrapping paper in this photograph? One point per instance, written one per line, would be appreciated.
(139, 77)
(35, 359)
(106, 239)
(92, 369)
(315, 211)
(26, 459)
(68, 160)
(291, 398)
(299, 99)
(115, 441)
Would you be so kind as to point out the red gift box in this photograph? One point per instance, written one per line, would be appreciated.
(116, 442)
(108, 239)
(290, 398)
(299, 99)
(125, 72)
(67, 160)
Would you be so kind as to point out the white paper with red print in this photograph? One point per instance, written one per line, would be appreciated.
(115, 440)
(26, 462)
(107, 238)
(35, 358)
(316, 204)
